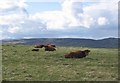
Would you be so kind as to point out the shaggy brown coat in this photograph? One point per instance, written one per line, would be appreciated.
(77, 54)
(39, 46)
(49, 48)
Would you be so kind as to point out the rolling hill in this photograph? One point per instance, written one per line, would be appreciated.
(102, 43)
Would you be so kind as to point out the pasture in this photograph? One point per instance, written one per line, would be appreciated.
(19, 63)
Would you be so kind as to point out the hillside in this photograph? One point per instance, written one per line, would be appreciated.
(19, 63)
(102, 43)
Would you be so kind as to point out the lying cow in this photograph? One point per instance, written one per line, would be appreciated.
(49, 48)
(39, 46)
(77, 54)
(34, 49)
(51, 45)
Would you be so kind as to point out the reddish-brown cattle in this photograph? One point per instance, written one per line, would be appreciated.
(49, 48)
(39, 46)
(34, 49)
(77, 54)
(51, 45)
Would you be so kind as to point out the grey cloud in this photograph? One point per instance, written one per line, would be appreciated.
(36, 28)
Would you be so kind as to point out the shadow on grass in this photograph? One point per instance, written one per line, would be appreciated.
(91, 59)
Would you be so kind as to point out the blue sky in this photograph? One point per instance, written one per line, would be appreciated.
(65, 19)
(34, 7)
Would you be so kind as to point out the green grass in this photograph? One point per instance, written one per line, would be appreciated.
(20, 63)
(0, 64)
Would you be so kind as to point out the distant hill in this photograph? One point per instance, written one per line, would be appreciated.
(102, 43)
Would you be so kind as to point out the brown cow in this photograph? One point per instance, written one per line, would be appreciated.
(34, 49)
(77, 54)
(39, 46)
(49, 48)
(51, 45)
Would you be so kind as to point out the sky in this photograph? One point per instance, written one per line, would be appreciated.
(58, 19)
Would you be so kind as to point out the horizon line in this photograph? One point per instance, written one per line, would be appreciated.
(60, 38)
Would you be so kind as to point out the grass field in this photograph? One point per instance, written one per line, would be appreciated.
(20, 63)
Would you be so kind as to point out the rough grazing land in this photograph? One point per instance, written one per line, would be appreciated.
(20, 63)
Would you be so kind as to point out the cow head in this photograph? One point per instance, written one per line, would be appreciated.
(42, 46)
(86, 52)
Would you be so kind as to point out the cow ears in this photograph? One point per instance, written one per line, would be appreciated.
(87, 50)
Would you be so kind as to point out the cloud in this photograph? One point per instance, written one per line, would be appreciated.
(70, 15)
(52, 19)
(67, 16)
(12, 11)
(106, 10)
(13, 29)
(102, 21)
(11, 19)
(75, 19)
(11, 4)
(74, 14)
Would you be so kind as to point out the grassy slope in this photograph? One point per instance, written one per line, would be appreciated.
(20, 63)
(0, 64)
